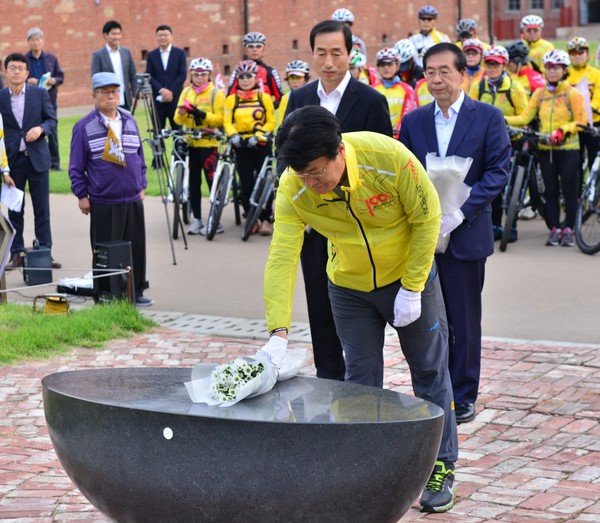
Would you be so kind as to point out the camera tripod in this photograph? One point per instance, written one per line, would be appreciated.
(159, 153)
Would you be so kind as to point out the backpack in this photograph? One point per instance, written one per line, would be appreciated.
(482, 90)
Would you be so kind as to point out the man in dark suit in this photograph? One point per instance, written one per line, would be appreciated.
(114, 58)
(457, 125)
(28, 118)
(44, 66)
(358, 107)
(167, 68)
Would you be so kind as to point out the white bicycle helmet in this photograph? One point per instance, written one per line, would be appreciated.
(387, 55)
(472, 43)
(406, 50)
(578, 43)
(297, 67)
(532, 21)
(246, 67)
(357, 59)
(465, 27)
(255, 38)
(556, 57)
(201, 64)
(496, 53)
(428, 10)
(343, 15)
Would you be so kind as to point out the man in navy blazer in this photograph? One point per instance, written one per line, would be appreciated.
(114, 58)
(358, 107)
(456, 125)
(167, 67)
(28, 118)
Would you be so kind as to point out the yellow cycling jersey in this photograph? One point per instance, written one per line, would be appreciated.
(401, 99)
(424, 97)
(250, 116)
(280, 111)
(561, 109)
(537, 50)
(509, 97)
(471, 80)
(210, 100)
(3, 157)
(382, 228)
(589, 77)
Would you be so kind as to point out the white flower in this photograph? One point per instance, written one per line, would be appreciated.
(227, 379)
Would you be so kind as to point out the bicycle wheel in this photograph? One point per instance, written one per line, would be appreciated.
(513, 207)
(177, 200)
(255, 209)
(536, 193)
(186, 211)
(235, 190)
(216, 207)
(587, 219)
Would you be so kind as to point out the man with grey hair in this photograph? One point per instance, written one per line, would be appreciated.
(45, 71)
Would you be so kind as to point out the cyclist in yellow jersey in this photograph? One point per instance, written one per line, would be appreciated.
(497, 88)
(466, 29)
(520, 69)
(561, 109)
(586, 79)
(473, 49)
(249, 115)
(296, 75)
(427, 35)
(531, 32)
(200, 106)
(400, 96)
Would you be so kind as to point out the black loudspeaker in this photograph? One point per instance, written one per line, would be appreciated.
(37, 258)
(113, 255)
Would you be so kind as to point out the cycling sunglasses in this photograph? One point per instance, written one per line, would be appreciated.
(254, 46)
(245, 76)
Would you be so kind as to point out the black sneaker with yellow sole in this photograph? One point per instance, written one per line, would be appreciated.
(440, 490)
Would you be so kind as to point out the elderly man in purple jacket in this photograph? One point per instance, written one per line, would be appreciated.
(108, 175)
(45, 71)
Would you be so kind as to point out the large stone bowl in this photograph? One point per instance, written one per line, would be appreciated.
(311, 450)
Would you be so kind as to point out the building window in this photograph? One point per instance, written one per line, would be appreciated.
(536, 4)
(558, 4)
(514, 5)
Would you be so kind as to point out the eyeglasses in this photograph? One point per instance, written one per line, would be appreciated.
(245, 76)
(427, 19)
(19, 68)
(432, 73)
(108, 92)
(313, 175)
(200, 73)
(254, 46)
(532, 30)
(296, 77)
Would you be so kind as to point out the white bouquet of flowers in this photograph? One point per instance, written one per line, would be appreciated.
(245, 377)
(448, 175)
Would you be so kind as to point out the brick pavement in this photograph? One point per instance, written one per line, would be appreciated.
(532, 454)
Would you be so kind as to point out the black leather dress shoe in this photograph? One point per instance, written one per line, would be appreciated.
(464, 412)
(55, 264)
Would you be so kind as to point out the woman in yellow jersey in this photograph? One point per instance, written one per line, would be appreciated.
(200, 106)
(400, 96)
(249, 116)
(296, 75)
(473, 49)
(586, 79)
(560, 108)
(497, 88)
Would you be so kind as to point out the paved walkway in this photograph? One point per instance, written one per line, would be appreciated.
(532, 454)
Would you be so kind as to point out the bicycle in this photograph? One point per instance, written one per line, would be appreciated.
(264, 187)
(225, 187)
(587, 218)
(525, 173)
(179, 175)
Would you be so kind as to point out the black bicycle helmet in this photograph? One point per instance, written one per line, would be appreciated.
(518, 52)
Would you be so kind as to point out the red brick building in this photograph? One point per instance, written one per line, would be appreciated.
(207, 28)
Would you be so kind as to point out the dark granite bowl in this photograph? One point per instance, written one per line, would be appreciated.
(310, 450)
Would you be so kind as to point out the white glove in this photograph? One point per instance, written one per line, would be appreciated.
(451, 222)
(407, 307)
(235, 140)
(252, 141)
(274, 350)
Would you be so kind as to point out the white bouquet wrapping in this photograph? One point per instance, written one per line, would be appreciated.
(245, 377)
(448, 175)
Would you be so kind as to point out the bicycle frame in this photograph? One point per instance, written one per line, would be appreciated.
(224, 158)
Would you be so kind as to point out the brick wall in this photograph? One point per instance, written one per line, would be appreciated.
(211, 28)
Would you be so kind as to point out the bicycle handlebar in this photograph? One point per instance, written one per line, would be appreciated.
(587, 129)
(530, 133)
(196, 134)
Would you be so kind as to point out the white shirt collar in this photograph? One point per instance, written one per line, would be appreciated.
(167, 50)
(110, 50)
(455, 107)
(341, 87)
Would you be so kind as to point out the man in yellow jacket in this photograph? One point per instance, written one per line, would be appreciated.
(372, 199)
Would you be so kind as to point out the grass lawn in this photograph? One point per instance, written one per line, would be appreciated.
(26, 334)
